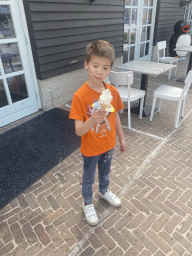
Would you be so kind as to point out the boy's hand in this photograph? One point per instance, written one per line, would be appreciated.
(123, 146)
(98, 117)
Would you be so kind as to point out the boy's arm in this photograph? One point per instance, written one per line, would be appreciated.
(81, 128)
(120, 134)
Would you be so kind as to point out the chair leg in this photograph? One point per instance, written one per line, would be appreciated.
(159, 105)
(177, 114)
(176, 70)
(129, 115)
(169, 75)
(153, 108)
(183, 107)
(141, 108)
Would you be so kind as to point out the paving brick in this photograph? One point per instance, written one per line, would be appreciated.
(17, 233)
(73, 202)
(145, 253)
(30, 216)
(140, 206)
(6, 249)
(175, 208)
(63, 202)
(136, 221)
(41, 217)
(116, 251)
(43, 202)
(19, 250)
(167, 238)
(102, 252)
(52, 178)
(51, 218)
(71, 190)
(22, 201)
(145, 240)
(64, 218)
(44, 179)
(154, 193)
(105, 238)
(61, 178)
(131, 239)
(6, 209)
(32, 201)
(42, 188)
(52, 189)
(29, 234)
(158, 241)
(164, 208)
(148, 222)
(62, 250)
(5, 233)
(186, 196)
(159, 253)
(124, 221)
(119, 239)
(131, 193)
(181, 239)
(129, 206)
(74, 220)
(172, 223)
(150, 205)
(185, 225)
(70, 178)
(95, 241)
(32, 250)
(67, 235)
(47, 251)
(9, 214)
(109, 222)
(132, 251)
(159, 224)
(43, 237)
(147, 182)
(179, 249)
(33, 187)
(54, 235)
(19, 215)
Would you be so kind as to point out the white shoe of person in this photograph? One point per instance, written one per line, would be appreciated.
(90, 214)
(111, 198)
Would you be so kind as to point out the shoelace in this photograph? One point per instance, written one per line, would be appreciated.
(111, 195)
(89, 210)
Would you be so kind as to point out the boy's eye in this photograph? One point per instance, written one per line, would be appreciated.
(105, 68)
(95, 66)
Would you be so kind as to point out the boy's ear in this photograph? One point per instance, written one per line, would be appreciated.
(85, 65)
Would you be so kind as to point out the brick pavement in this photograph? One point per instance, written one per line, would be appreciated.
(153, 178)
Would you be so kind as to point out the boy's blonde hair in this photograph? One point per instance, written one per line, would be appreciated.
(100, 48)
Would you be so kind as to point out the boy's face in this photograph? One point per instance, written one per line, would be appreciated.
(98, 69)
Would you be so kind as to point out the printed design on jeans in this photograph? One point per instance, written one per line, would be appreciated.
(103, 127)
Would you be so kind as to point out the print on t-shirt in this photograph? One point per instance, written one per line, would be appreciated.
(103, 127)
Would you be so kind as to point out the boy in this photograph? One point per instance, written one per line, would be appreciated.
(97, 128)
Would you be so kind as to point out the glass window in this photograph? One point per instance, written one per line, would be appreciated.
(17, 88)
(6, 23)
(145, 11)
(128, 2)
(3, 97)
(132, 53)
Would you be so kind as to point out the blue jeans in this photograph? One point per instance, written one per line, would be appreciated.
(89, 169)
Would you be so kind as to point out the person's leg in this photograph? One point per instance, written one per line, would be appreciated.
(89, 169)
(104, 168)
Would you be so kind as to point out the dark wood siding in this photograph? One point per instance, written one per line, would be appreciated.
(61, 29)
(168, 13)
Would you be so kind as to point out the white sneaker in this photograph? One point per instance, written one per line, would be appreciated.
(111, 198)
(90, 214)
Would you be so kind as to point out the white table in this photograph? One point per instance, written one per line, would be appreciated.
(145, 68)
(185, 48)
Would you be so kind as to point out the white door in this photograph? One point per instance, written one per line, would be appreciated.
(139, 21)
(18, 95)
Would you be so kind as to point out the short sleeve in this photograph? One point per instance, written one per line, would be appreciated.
(118, 103)
(76, 111)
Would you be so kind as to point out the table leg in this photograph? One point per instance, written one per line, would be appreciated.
(136, 107)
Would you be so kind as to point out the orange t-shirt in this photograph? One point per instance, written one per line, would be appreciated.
(102, 137)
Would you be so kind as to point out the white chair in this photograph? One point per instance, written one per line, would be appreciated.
(161, 46)
(172, 93)
(122, 81)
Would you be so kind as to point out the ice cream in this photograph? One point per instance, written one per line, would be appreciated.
(105, 100)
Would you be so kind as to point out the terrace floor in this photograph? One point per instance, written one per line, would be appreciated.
(153, 178)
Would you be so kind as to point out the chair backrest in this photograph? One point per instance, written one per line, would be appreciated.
(161, 46)
(121, 78)
(188, 81)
